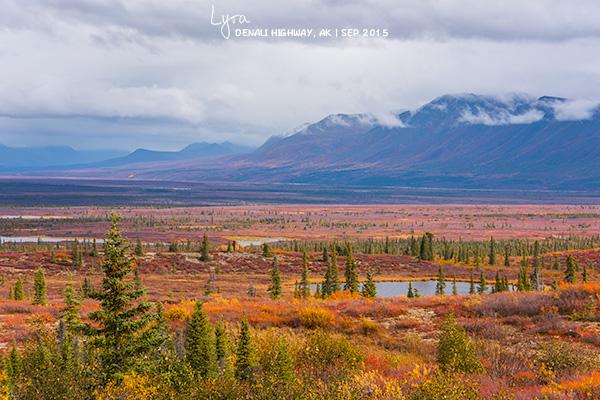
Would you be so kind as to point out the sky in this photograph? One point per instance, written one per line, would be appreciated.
(123, 74)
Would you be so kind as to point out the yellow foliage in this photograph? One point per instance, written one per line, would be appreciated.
(313, 318)
(133, 387)
(177, 314)
(4, 390)
(370, 386)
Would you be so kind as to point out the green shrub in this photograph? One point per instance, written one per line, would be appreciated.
(456, 352)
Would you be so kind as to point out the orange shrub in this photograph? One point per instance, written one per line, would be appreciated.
(313, 318)
(583, 387)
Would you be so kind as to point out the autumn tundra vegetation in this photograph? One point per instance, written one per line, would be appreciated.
(124, 317)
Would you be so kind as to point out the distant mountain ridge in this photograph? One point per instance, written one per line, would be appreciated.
(455, 141)
(198, 150)
(30, 157)
(464, 140)
(65, 157)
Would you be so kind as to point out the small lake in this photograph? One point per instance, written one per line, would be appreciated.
(258, 241)
(425, 288)
(43, 239)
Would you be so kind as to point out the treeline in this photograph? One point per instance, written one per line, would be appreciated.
(465, 251)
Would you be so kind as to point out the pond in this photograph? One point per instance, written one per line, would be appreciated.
(425, 288)
(258, 241)
(42, 239)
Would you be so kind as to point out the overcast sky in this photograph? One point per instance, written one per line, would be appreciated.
(157, 74)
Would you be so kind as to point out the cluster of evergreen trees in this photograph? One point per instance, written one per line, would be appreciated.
(427, 247)
(126, 334)
(331, 282)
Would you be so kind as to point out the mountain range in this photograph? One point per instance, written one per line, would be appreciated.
(457, 141)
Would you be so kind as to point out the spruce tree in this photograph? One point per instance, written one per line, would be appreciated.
(410, 294)
(498, 283)
(440, 286)
(86, 288)
(426, 248)
(454, 288)
(325, 257)
(139, 248)
(204, 250)
(266, 250)
(243, 360)
(199, 343)
(39, 288)
(584, 274)
(70, 313)
(19, 292)
(506, 256)
(571, 270)
(471, 284)
(350, 272)
(221, 346)
(76, 255)
(492, 253)
(556, 264)
(369, 288)
(482, 284)
(275, 288)
(331, 282)
(119, 329)
(304, 287)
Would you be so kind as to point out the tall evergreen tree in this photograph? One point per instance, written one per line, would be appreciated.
(507, 256)
(221, 346)
(454, 288)
(426, 248)
(482, 284)
(76, 259)
(199, 343)
(471, 284)
(440, 286)
(275, 288)
(19, 292)
(331, 282)
(350, 271)
(119, 327)
(266, 250)
(94, 251)
(243, 360)
(304, 287)
(369, 289)
(492, 253)
(39, 288)
(70, 313)
(571, 270)
(86, 288)
(204, 250)
(410, 294)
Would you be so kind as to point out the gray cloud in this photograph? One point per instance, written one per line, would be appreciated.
(152, 73)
